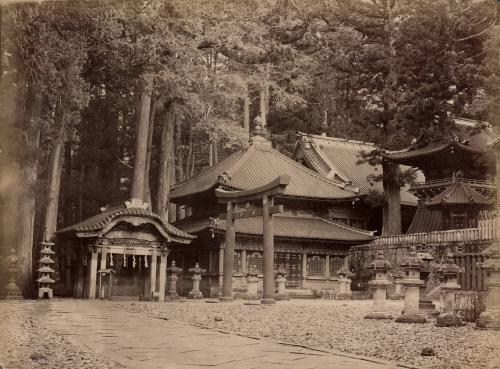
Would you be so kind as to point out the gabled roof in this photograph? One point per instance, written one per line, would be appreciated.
(459, 193)
(257, 166)
(102, 222)
(338, 158)
(469, 136)
(295, 227)
(301, 227)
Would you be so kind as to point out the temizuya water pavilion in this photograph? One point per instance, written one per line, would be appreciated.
(120, 253)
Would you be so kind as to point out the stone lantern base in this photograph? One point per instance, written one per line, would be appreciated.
(449, 320)
(379, 315)
(195, 295)
(489, 319)
(411, 318)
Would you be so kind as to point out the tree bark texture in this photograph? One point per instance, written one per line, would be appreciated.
(165, 165)
(147, 187)
(54, 183)
(246, 112)
(141, 140)
(263, 105)
(392, 204)
(179, 151)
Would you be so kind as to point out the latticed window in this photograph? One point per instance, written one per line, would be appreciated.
(316, 266)
(256, 261)
(335, 264)
(237, 263)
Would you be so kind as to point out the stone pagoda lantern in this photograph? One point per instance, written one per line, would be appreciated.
(425, 302)
(345, 276)
(449, 272)
(45, 271)
(252, 284)
(380, 268)
(412, 283)
(490, 318)
(11, 291)
(281, 280)
(173, 272)
(195, 293)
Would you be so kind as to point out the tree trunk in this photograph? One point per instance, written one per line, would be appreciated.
(392, 204)
(179, 151)
(147, 187)
(190, 155)
(54, 183)
(246, 112)
(325, 120)
(141, 141)
(263, 103)
(165, 165)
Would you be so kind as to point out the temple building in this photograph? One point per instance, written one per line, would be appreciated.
(456, 199)
(120, 253)
(308, 243)
(339, 159)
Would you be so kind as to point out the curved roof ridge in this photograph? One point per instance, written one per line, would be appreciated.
(341, 185)
(333, 169)
(351, 228)
(337, 139)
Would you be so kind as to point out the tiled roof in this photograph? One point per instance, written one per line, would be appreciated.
(338, 158)
(459, 193)
(469, 136)
(426, 220)
(300, 227)
(101, 220)
(259, 165)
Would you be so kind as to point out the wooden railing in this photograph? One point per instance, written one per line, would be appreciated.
(447, 181)
(483, 233)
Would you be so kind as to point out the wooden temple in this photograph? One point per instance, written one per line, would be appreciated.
(339, 159)
(120, 253)
(307, 243)
(456, 199)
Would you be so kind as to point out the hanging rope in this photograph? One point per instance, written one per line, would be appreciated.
(111, 259)
(146, 262)
(133, 261)
(124, 261)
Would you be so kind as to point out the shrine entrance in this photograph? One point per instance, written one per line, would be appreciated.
(292, 264)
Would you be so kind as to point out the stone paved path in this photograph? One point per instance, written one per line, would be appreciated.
(137, 341)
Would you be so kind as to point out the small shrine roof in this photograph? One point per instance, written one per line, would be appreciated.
(257, 166)
(338, 158)
(92, 226)
(459, 193)
(300, 227)
(469, 136)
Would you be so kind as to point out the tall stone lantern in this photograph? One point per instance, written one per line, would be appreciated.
(449, 272)
(195, 293)
(412, 283)
(490, 318)
(345, 276)
(173, 272)
(425, 302)
(11, 291)
(252, 284)
(380, 268)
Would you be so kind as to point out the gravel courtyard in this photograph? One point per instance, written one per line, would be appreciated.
(338, 325)
(321, 324)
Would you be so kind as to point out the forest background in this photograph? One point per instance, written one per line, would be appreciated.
(104, 100)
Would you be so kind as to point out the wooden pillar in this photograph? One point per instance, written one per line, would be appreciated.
(163, 276)
(327, 266)
(221, 265)
(93, 274)
(268, 240)
(244, 268)
(227, 279)
(152, 278)
(304, 268)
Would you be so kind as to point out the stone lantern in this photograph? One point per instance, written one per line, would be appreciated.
(398, 288)
(449, 271)
(425, 302)
(195, 293)
(252, 284)
(490, 318)
(173, 272)
(11, 291)
(412, 283)
(281, 280)
(380, 268)
(345, 283)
